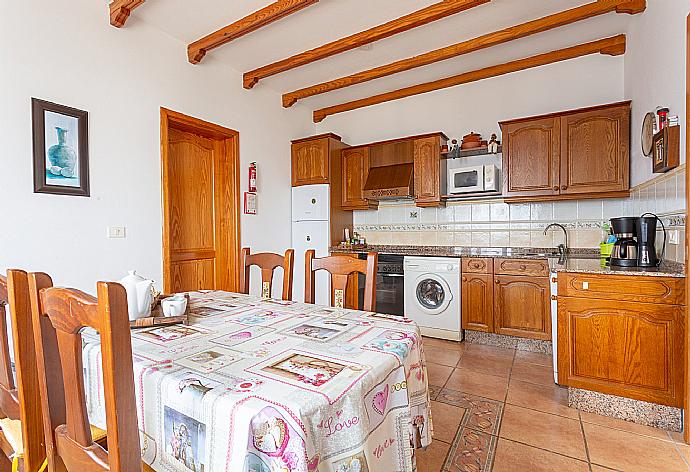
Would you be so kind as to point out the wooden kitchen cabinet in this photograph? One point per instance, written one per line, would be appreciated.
(478, 302)
(429, 170)
(628, 349)
(522, 306)
(312, 159)
(355, 171)
(574, 154)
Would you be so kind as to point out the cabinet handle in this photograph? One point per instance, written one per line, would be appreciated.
(554, 297)
(554, 279)
(464, 279)
(523, 267)
(555, 188)
(498, 282)
(565, 187)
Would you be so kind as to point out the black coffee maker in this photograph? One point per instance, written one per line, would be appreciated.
(625, 250)
(646, 237)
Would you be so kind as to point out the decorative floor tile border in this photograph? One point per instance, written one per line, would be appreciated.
(635, 411)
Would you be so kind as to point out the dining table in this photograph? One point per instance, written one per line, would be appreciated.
(261, 385)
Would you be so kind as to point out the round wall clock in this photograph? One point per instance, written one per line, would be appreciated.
(648, 133)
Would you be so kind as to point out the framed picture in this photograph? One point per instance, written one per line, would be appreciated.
(61, 149)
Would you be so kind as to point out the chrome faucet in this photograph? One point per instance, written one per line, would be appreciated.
(561, 247)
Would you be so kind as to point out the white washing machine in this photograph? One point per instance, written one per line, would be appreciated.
(432, 295)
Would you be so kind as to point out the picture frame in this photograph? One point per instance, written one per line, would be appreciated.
(666, 149)
(60, 149)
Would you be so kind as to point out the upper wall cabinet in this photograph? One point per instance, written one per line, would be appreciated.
(311, 159)
(429, 176)
(355, 171)
(575, 154)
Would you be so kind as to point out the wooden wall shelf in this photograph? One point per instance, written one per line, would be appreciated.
(481, 151)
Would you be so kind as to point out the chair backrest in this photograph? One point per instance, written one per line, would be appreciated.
(59, 314)
(267, 262)
(19, 401)
(341, 267)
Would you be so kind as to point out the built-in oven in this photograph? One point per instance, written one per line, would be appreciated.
(390, 285)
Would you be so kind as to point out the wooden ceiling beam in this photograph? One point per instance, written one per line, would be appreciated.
(540, 25)
(613, 46)
(120, 10)
(260, 18)
(421, 17)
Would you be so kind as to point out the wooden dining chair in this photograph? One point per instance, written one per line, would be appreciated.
(59, 314)
(341, 268)
(268, 262)
(21, 426)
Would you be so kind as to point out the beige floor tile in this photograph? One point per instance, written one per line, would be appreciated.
(598, 468)
(438, 374)
(499, 366)
(533, 373)
(547, 398)
(432, 459)
(478, 383)
(446, 420)
(440, 355)
(542, 430)
(631, 452)
(625, 426)
(514, 457)
(443, 344)
(489, 351)
(533, 358)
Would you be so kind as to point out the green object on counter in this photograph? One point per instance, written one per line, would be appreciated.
(606, 249)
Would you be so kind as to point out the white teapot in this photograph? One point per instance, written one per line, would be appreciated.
(140, 293)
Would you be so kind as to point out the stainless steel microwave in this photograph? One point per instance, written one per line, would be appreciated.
(473, 179)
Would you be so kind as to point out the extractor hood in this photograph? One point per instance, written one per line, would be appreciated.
(390, 182)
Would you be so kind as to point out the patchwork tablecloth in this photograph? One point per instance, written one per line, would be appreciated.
(265, 385)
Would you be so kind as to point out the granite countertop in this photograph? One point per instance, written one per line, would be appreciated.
(576, 260)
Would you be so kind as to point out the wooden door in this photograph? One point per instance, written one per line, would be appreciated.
(531, 157)
(355, 171)
(427, 167)
(522, 306)
(629, 349)
(310, 160)
(595, 151)
(478, 302)
(201, 205)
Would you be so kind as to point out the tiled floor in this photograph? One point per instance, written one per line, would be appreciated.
(497, 409)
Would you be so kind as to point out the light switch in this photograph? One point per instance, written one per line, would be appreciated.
(673, 237)
(585, 285)
(117, 232)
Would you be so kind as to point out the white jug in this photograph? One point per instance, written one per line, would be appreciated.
(139, 295)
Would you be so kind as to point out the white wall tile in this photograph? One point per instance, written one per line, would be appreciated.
(500, 239)
(589, 209)
(520, 239)
(427, 215)
(565, 211)
(540, 240)
(428, 238)
(462, 238)
(462, 213)
(358, 217)
(499, 212)
(398, 214)
(481, 239)
(444, 238)
(613, 208)
(385, 215)
(371, 217)
(413, 215)
(444, 214)
(541, 211)
(520, 212)
(480, 212)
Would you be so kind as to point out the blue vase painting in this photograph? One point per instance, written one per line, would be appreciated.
(62, 159)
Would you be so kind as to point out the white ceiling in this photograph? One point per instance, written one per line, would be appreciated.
(329, 20)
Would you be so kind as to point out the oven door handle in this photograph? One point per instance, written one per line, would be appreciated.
(391, 275)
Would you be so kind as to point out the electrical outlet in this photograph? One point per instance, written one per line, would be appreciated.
(117, 232)
(673, 237)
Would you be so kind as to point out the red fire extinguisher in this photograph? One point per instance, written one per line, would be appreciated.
(252, 177)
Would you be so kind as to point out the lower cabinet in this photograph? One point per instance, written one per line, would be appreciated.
(478, 302)
(625, 348)
(522, 306)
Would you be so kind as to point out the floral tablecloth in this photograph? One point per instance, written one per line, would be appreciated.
(265, 385)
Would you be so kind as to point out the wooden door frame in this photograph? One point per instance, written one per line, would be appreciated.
(174, 120)
(686, 396)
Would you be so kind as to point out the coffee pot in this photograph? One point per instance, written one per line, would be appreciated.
(140, 295)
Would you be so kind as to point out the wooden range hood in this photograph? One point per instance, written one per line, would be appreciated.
(394, 181)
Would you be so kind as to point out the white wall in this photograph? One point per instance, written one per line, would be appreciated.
(479, 106)
(655, 71)
(67, 53)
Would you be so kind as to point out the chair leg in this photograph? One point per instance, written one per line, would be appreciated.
(5, 463)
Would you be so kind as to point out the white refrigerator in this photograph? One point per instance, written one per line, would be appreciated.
(311, 230)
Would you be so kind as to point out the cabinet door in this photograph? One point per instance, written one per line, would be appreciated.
(310, 162)
(427, 171)
(478, 302)
(522, 306)
(595, 151)
(355, 172)
(531, 157)
(629, 349)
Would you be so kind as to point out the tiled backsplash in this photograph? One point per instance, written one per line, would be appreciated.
(498, 224)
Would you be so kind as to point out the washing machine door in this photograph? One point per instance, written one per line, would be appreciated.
(432, 294)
